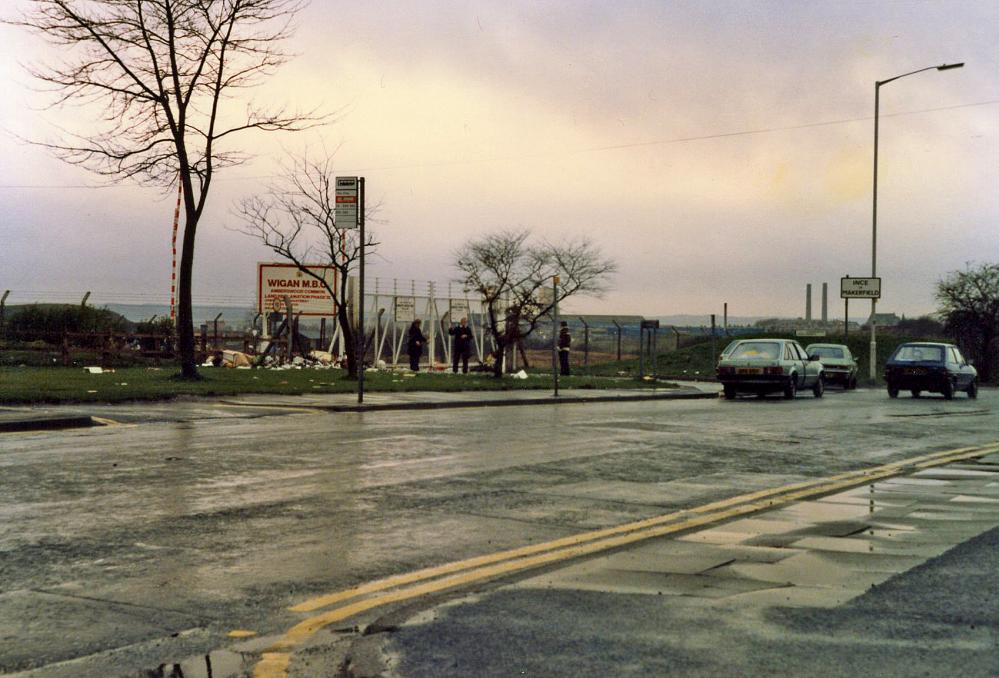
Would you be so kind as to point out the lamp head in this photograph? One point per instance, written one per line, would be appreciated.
(947, 67)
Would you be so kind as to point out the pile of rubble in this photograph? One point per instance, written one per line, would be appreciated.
(245, 361)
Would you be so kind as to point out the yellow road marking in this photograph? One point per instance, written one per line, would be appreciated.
(241, 633)
(449, 568)
(275, 661)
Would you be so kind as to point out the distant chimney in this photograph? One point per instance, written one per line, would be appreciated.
(808, 302)
(825, 302)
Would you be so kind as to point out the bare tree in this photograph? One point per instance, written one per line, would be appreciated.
(162, 76)
(296, 219)
(514, 278)
(969, 305)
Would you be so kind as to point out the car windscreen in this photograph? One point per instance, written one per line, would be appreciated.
(919, 354)
(764, 350)
(826, 352)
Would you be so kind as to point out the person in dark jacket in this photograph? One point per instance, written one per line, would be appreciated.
(414, 345)
(564, 342)
(462, 346)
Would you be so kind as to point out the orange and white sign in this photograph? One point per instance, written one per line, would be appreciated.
(307, 293)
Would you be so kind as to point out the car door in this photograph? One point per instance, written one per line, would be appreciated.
(806, 369)
(962, 368)
(852, 364)
(813, 368)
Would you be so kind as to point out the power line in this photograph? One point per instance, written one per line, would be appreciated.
(592, 149)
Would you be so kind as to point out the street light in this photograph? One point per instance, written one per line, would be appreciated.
(874, 228)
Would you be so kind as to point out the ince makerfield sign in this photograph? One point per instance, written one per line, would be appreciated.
(307, 295)
(860, 288)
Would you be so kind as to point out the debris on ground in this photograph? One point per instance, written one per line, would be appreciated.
(235, 359)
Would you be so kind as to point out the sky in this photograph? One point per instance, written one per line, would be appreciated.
(719, 152)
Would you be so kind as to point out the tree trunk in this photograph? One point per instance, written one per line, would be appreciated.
(349, 340)
(523, 354)
(185, 312)
(498, 360)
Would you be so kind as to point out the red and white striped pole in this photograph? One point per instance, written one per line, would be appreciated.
(173, 269)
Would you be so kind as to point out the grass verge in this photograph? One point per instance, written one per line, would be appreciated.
(28, 385)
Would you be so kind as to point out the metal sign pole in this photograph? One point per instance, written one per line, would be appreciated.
(555, 332)
(641, 351)
(846, 319)
(360, 293)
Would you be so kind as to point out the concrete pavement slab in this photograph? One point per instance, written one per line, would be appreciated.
(828, 600)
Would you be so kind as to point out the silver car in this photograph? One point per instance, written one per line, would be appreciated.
(764, 366)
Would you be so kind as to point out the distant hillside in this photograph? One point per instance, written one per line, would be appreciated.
(705, 320)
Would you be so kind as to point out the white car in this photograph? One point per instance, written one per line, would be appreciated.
(764, 366)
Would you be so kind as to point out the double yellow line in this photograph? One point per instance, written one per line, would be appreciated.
(350, 602)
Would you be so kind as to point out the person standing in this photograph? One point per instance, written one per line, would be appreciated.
(462, 345)
(564, 342)
(414, 345)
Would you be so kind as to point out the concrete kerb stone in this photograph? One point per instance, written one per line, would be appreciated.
(680, 394)
(19, 423)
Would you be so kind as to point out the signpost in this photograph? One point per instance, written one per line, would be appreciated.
(555, 331)
(349, 213)
(860, 288)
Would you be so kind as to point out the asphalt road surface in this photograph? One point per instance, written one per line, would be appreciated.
(126, 548)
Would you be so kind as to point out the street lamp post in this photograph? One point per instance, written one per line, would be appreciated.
(874, 223)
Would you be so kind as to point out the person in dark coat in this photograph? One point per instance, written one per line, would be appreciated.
(414, 345)
(462, 346)
(564, 342)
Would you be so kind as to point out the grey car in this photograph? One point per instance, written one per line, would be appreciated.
(762, 366)
(838, 363)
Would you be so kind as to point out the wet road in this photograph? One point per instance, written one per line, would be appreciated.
(125, 547)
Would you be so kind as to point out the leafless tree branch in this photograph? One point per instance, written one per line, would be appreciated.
(160, 73)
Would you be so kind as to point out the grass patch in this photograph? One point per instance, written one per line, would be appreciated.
(27, 385)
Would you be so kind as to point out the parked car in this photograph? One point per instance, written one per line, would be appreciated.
(927, 366)
(764, 366)
(838, 365)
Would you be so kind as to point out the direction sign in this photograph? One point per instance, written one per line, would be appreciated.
(346, 203)
(862, 288)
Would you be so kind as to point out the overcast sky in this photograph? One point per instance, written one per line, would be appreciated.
(718, 151)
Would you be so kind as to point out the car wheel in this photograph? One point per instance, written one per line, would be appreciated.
(729, 391)
(791, 389)
(948, 390)
(916, 392)
(973, 389)
(892, 391)
(819, 388)
(852, 383)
